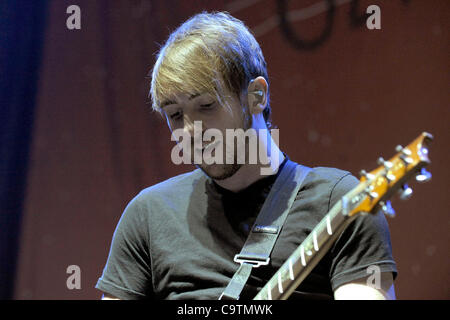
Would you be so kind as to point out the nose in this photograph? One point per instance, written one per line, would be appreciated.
(188, 125)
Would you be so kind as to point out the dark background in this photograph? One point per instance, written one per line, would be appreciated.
(79, 141)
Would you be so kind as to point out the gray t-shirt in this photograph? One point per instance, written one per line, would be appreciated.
(177, 239)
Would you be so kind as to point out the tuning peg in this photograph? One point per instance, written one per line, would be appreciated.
(389, 176)
(387, 165)
(405, 192)
(405, 151)
(405, 156)
(372, 194)
(423, 176)
(406, 160)
(387, 209)
(368, 176)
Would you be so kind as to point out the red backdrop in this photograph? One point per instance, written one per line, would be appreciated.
(353, 99)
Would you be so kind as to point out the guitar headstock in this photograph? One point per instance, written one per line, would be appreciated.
(376, 187)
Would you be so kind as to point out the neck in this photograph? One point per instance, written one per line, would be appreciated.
(248, 174)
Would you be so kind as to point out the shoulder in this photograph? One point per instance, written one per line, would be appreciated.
(161, 197)
(331, 178)
(326, 185)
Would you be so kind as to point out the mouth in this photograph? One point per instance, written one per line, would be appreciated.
(208, 146)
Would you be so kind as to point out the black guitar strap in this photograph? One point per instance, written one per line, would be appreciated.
(267, 227)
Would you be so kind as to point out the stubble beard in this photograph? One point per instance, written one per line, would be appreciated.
(224, 171)
(227, 170)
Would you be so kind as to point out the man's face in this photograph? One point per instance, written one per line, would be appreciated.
(183, 110)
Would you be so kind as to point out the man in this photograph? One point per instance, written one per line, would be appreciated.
(177, 239)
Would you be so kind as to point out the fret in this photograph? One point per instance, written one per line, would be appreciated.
(302, 254)
(316, 246)
(291, 271)
(330, 232)
(280, 285)
(306, 256)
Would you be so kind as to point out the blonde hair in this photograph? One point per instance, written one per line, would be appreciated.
(206, 54)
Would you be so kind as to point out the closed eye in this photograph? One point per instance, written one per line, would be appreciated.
(176, 115)
(207, 106)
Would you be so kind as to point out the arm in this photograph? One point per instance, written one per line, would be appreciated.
(107, 296)
(361, 290)
(127, 273)
(366, 242)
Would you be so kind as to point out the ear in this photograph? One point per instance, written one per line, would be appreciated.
(257, 95)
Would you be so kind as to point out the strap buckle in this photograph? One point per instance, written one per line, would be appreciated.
(254, 260)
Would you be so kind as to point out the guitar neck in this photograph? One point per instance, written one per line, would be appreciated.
(374, 189)
(306, 256)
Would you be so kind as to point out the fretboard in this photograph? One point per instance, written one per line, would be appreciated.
(306, 256)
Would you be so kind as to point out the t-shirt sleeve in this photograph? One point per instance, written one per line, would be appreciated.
(365, 242)
(127, 272)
